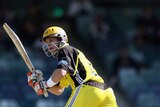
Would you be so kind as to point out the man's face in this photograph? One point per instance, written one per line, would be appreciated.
(51, 45)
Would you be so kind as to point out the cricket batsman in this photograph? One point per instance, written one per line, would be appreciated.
(74, 70)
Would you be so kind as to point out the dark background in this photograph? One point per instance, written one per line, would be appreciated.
(120, 37)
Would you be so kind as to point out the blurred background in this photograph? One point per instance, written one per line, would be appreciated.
(120, 37)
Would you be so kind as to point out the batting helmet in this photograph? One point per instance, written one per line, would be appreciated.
(55, 31)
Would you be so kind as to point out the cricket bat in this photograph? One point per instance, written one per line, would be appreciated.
(13, 36)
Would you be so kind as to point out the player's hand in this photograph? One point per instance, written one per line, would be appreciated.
(40, 87)
(36, 81)
(34, 77)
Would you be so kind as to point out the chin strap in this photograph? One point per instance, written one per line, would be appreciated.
(63, 44)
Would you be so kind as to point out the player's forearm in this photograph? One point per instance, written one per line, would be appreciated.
(57, 90)
(58, 74)
(55, 78)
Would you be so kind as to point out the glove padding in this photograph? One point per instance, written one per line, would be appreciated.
(36, 81)
(40, 87)
(34, 77)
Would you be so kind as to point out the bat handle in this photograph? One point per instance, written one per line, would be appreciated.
(45, 93)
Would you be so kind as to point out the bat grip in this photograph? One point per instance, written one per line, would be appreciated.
(45, 93)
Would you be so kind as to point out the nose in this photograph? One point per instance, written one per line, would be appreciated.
(51, 46)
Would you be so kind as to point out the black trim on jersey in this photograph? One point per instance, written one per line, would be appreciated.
(82, 70)
(69, 54)
(82, 73)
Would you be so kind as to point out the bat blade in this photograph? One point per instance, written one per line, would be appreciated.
(21, 50)
(19, 46)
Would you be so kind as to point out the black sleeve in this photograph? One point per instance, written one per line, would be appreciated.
(66, 61)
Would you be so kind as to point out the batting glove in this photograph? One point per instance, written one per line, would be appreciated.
(40, 87)
(36, 81)
(34, 77)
